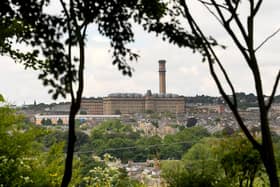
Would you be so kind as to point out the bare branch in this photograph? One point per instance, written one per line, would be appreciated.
(268, 38)
(81, 71)
(250, 41)
(216, 6)
(256, 9)
(228, 81)
(237, 20)
(253, 63)
(225, 24)
(218, 61)
(197, 31)
(233, 108)
(210, 4)
(211, 12)
(271, 98)
(265, 148)
(65, 9)
(85, 30)
(69, 48)
(232, 34)
(75, 102)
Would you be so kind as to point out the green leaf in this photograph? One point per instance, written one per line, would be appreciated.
(1, 98)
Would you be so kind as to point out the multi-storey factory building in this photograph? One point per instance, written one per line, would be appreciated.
(129, 103)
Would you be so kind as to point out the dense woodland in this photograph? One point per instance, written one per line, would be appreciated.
(34, 155)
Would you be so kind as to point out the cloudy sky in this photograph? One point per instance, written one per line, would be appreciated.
(186, 74)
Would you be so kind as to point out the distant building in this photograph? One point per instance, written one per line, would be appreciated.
(275, 107)
(64, 118)
(123, 103)
(92, 106)
(136, 103)
(252, 109)
(217, 108)
(62, 108)
(129, 103)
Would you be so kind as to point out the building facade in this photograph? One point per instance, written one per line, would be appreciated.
(92, 106)
(64, 118)
(124, 103)
(129, 103)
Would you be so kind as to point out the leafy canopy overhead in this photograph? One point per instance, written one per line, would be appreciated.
(30, 24)
(1, 98)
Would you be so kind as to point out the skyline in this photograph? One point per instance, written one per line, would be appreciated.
(186, 74)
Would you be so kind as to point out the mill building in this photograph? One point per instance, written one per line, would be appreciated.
(129, 103)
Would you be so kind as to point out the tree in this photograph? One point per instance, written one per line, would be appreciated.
(108, 173)
(1, 98)
(225, 161)
(43, 121)
(14, 146)
(174, 146)
(241, 31)
(48, 122)
(52, 165)
(147, 148)
(241, 163)
(57, 36)
(191, 122)
(59, 122)
(230, 159)
(201, 160)
(19, 151)
(83, 112)
(113, 137)
(176, 174)
(118, 112)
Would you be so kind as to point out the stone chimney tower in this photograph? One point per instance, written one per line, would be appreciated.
(162, 80)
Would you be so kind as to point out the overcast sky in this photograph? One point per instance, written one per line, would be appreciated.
(186, 74)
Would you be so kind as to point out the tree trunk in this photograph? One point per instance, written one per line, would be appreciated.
(270, 166)
(75, 107)
(70, 148)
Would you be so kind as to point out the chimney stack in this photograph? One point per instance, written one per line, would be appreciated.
(162, 80)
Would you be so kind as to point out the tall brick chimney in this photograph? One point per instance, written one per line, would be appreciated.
(162, 79)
